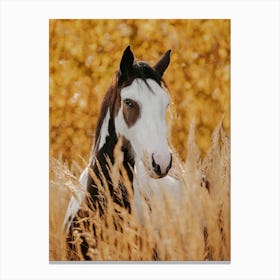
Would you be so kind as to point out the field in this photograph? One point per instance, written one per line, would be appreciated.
(195, 228)
(84, 54)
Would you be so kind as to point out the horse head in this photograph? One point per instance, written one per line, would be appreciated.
(140, 117)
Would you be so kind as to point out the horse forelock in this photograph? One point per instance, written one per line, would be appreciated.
(142, 70)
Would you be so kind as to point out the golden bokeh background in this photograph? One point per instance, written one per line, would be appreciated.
(85, 54)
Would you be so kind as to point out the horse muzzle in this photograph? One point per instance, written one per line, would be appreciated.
(161, 165)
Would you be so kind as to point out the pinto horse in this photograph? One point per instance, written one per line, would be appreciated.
(133, 109)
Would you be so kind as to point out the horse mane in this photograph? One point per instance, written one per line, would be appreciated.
(141, 70)
(111, 100)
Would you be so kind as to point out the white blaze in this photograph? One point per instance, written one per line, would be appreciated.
(148, 136)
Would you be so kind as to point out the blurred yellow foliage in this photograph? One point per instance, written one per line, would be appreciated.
(85, 54)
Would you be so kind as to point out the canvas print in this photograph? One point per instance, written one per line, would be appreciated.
(139, 140)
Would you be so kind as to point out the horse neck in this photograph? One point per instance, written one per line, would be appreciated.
(104, 151)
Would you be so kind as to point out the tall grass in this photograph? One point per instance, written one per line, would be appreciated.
(193, 227)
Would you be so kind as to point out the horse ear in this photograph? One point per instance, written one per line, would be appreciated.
(163, 63)
(127, 61)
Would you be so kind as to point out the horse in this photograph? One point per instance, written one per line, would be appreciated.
(133, 111)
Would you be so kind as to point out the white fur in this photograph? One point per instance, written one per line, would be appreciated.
(104, 130)
(148, 136)
(154, 190)
(76, 201)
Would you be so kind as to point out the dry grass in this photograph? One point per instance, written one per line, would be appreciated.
(195, 227)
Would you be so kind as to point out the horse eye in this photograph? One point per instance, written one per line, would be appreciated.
(128, 103)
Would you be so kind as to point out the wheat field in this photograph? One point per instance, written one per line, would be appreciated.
(196, 228)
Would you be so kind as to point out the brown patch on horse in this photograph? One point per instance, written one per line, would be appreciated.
(131, 113)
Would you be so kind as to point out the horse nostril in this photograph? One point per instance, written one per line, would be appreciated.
(169, 165)
(156, 167)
